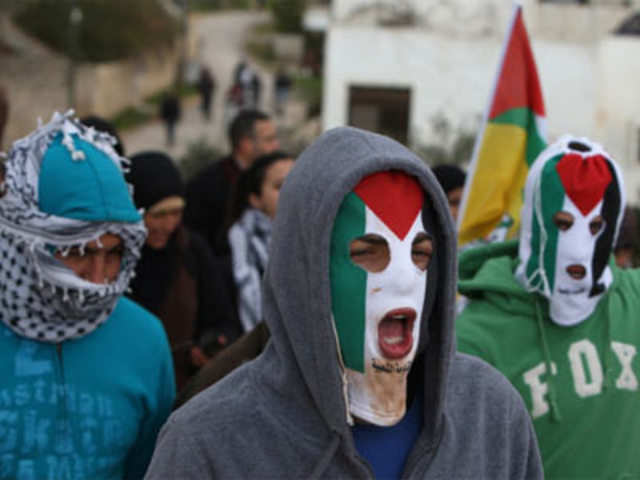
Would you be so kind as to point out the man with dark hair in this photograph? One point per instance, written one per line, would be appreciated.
(251, 134)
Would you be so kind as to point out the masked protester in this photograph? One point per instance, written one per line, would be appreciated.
(87, 379)
(360, 377)
(556, 316)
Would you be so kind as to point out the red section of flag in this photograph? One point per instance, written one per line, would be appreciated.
(584, 179)
(518, 84)
(395, 197)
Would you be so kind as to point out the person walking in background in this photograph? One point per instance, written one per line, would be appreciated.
(87, 378)
(360, 378)
(282, 85)
(177, 278)
(207, 88)
(170, 112)
(559, 319)
(451, 178)
(251, 134)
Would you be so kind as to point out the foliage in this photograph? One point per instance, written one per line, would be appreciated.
(130, 117)
(309, 89)
(208, 5)
(134, 116)
(184, 90)
(145, 26)
(199, 154)
(288, 14)
(455, 146)
(262, 51)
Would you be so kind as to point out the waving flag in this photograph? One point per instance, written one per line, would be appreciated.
(511, 138)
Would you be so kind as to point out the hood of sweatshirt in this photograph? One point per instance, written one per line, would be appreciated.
(297, 292)
(488, 271)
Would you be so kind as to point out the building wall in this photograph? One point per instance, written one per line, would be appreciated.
(108, 88)
(589, 82)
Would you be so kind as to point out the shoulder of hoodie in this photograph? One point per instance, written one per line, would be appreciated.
(238, 403)
(627, 280)
(476, 385)
(489, 268)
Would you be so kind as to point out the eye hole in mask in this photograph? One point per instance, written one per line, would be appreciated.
(371, 252)
(564, 221)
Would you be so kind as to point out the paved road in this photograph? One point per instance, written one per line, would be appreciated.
(220, 39)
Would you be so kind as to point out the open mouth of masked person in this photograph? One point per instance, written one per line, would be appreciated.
(576, 271)
(395, 333)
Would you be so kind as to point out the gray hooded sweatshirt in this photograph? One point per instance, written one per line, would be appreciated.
(284, 414)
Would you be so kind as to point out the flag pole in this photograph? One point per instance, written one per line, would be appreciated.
(517, 7)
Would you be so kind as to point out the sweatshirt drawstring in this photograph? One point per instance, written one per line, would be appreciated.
(326, 458)
(606, 361)
(555, 409)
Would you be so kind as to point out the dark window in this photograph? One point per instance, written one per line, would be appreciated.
(381, 110)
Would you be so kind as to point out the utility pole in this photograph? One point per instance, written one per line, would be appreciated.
(183, 54)
(75, 19)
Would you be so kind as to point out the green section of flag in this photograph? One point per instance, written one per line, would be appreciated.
(348, 282)
(551, 202)
(525, 118)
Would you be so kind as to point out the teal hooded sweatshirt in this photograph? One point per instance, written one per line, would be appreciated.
(580, 383)
(88, 408)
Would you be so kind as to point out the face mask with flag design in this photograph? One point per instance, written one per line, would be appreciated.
(570, 219)
(380, 252)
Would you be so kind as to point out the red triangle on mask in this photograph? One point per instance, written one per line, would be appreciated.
(584, 179)
(395, 197)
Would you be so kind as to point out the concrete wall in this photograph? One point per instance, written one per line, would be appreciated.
(108, 88)
(590, 82)
(618, 114)
(568, 22)
(452, 77)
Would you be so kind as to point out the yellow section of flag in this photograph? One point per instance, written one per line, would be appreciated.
(497, 184)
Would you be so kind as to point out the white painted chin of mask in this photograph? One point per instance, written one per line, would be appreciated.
(571, 299)
(571, 214)
(377, 305)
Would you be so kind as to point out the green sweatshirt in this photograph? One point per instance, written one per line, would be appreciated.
(586, 412)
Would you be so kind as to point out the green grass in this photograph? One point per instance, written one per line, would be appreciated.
(308, 88)
(262, 52)
(212, 5)
(130, 117)
(184, 91)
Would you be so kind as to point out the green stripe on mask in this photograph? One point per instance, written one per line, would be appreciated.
(552, 198)
(348, 282)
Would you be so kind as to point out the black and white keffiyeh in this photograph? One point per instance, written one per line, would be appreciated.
(40, 297)
(249, 240)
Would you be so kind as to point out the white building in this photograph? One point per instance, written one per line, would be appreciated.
(397, 66)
